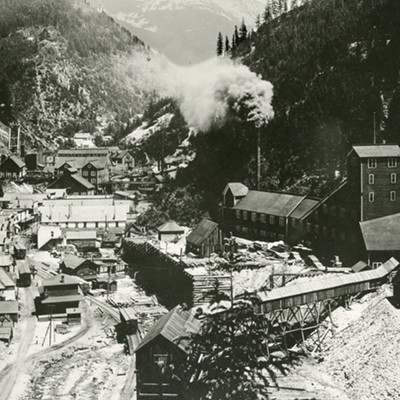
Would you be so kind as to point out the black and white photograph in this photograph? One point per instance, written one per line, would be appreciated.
(198, 199)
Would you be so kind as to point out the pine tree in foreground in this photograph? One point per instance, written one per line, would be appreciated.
(220, 45)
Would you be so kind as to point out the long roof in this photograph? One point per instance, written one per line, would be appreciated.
(278, 204)
(304, 208)
(8, 307)
(72, 261)
(201, 232)
(377, 150)
(6, 279)
(175, 327)
(62, 280)
(62, 299)
(82, 181)
(23, 267)
(5, 259)
(329, 283)
(17, 161)
(382, 234)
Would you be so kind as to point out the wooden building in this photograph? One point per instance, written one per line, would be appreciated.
(330, 224)
(12, 168)
(9, 310)
(58, 294)
(170, 231)
(129, 321)
(161, 355)
(205, 239)
(81, 267)
(96, 172)
(123, 159)
(73, 183)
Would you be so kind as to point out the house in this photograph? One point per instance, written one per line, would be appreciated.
(170, 231)
(24, 273)
(59, 293)
(96, 172)
(123, 159)
(165, 345)
(129, 320)
(6, 262)
(81, 267)
(73, 183)
(7, 286)
(9, 310)
(48, 236)
(205, 239)
(12, 168)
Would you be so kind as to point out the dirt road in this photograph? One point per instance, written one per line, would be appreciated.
(9, 375)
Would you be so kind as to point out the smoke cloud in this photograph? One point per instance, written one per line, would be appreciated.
(212, 92)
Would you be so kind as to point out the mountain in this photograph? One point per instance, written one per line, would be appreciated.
(65, 67)
(184, 30)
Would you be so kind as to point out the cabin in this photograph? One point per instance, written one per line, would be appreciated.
(123, 159)
(12, 168)
(205, 239)
(9, 310)
(162, 353)
(129, 321)
(7, 286)
(170, 232)
(24, 273)
(81, 267)
(58, 294)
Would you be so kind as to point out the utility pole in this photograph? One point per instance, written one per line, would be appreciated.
(258, 159)
(374, 127)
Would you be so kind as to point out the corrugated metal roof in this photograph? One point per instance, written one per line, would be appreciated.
(8, 307)
(170, 226)
(278, 204)
(377, 150)
(382, 234)
(304, 208)
(62, 299)
(331, 283)
(201, 232)
(62, 280)
(175, 326)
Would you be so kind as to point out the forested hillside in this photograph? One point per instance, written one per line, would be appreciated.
(65, 67)
(335, 68)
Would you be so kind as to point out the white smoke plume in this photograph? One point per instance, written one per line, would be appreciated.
(211, 92)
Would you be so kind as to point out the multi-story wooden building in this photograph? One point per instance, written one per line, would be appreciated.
(332, 224)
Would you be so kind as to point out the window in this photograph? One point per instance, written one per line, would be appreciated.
(371, 162)
(245, 230)
(308, 228)
(93, 173)
(342, 212)
(371, 197)
(93, 180)
(393, 178)
(392, 195)
(333, 211)
(376, 265)
(325, 209)
(52, 233)
(84, 224)
(245, 215)
(281, 221)
(316, 229)
(238, 214)
(272, 220)
(392, 162)
(254, 217)
(237, 228)
(263, 234)
(263, 218)
(85, 173)
(371, 179)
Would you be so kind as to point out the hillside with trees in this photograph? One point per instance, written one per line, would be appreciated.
(66, 67)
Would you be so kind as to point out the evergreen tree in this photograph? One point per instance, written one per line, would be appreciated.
(236, 36)
(227, 45)
(267, 13)
(220, 45)
(258, 21)
(243, 32)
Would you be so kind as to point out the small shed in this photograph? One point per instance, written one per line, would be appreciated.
(205, 239)
(19, 251)
(170, 231)
(74, 316)
(360, 266)
(6, 334)
(9, 309)
(24, 273)
(129, 320)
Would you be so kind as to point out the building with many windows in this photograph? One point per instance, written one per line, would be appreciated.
(331, 224)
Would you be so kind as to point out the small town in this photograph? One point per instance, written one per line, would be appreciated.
(180, 224)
